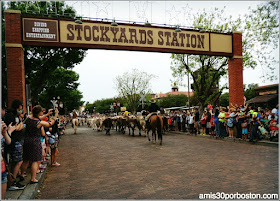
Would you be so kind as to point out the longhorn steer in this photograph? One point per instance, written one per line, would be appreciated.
(107, 124)
(131, 124)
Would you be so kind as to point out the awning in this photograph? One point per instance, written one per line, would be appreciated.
(262, 99)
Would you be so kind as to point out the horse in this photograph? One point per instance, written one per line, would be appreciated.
(156, 125)
(75, 123)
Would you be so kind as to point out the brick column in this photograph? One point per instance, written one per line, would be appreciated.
(15, 57)
(235, 72)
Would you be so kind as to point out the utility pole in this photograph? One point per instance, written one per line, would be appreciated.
(188, 82)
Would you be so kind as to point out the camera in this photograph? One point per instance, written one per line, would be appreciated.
(52, 112)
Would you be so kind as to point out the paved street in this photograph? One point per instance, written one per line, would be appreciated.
(96, 166)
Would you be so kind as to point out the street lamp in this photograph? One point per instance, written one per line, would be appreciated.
(57, 104)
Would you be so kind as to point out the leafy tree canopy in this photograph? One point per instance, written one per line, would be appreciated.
(260, 30)
(173, 101)
(249, 91)
(41, 62)
(62, 83)
(131, 84)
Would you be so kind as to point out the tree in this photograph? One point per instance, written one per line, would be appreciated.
(249, 91)
(89, 107)
(103, 106)
(41, 62)
(224, 100)
(131, 84)
(261, 38)
(206, 71)
(62, 83)
(173, 101)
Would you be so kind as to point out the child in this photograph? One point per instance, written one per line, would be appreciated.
(273, 127)
(244, 126)
(203, 123)
(170, 123)
(212, 122)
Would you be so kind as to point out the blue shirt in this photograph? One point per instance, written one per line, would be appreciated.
(258, 116)
(216, 119)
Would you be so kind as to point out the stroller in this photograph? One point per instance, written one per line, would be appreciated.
(264, 134)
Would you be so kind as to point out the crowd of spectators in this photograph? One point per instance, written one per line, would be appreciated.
(242, 122)
(28, 141)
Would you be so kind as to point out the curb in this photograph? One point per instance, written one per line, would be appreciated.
(31, 190)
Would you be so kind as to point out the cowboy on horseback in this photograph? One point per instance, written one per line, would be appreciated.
(75, 121)
(153, 108)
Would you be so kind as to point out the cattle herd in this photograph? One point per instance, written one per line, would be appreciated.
(119, 123)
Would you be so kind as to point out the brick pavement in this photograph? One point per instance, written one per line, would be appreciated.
(95, 166)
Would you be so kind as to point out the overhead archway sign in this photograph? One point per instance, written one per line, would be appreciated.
(24, 30)
(125, 36)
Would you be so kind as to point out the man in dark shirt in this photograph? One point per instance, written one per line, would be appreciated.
(196, 120)
(208, 119)
(153, 108)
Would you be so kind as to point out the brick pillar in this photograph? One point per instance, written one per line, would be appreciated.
(235, 72)
(15, 57)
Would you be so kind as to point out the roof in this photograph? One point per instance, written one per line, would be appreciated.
(174, 93)
(262, 99)
(267, 86)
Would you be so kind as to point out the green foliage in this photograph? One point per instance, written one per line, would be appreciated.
(224, 100)
(249, 91)
(62, 83)
(173, 101)
(261, 37)
(131, 84)
(103, 106)
(89, 107)
(260, 29)
(41, 62)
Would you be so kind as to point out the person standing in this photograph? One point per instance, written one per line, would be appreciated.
(230, 122)
(217, 122)
(275, 112)
(32, 148)
(5, 140)
(240, 119)
(208, 119)
(203, 123)
(184, 122)
(15, 148)
(222, 120)
(196, 120)
(244, 126)
(191, 123)
(256, 123)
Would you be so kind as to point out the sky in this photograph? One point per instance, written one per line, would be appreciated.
(98, 70)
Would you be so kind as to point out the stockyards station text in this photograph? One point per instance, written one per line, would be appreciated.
(237, 196)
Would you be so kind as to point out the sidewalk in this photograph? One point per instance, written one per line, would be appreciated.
(30, 191)
(260, 142)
